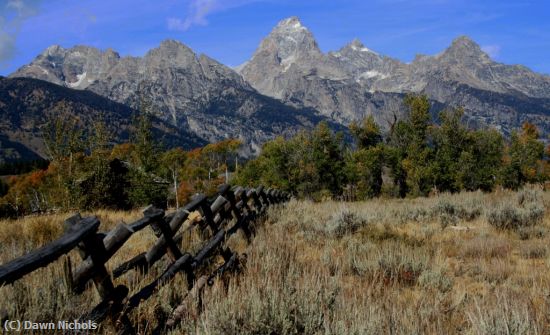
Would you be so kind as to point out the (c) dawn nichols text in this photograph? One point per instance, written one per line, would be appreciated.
(18, 325)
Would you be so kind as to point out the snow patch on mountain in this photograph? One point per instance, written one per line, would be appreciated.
(80, 79)
(373, 74)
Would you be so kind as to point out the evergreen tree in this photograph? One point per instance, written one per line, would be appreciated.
(523, 163)
(146, 149)
(364, 171)
(364, 166)
(367, 133)
(327, 149)
(480, 164)
(451, 140)
(414, 156)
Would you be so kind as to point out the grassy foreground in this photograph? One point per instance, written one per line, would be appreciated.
(469, 263)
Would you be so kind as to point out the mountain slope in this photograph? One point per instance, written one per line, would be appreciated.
(26, 105)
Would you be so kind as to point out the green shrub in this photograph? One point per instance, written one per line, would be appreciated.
(447, 214)
(526, 233)
(526, 211)
(533, 250)
(412, 214)
(398, 263)
(343, 223)
(508, 217)
(450, 213)
(436, 279)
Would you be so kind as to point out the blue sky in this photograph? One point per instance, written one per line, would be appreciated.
(513, 32)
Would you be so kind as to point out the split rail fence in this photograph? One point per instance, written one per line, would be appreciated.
(232, 210)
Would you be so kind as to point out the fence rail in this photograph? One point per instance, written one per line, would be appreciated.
(233, 209)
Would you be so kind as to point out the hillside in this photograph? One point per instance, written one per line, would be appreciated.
(26, 105)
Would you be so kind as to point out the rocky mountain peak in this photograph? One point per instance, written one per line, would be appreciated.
(463, 48)
(53, 50)
(291, 23)
(110, 53)
(173, 45)
(356, 43)
(171, 53)
(464, 42)
(291, 41)
(362, 64)
(358, 46)
(171, 49)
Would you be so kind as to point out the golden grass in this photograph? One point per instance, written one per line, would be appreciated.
(402, 266)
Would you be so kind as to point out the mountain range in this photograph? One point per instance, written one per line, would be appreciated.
(287, 85)
(355, 81)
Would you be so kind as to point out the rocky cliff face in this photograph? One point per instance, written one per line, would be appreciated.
(194, 93)
(345, 84)
(289, 66)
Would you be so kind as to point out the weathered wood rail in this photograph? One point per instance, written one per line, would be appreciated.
(233, 209)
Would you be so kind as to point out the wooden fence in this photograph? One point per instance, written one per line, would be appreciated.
(232, 210)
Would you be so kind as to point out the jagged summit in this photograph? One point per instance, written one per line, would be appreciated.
(291, 23)
(357, 45)
(464, 47)
(291, 40)
(289, 45)
(53, 49)
(171, 52)
(169, 44)
(171, 49)
(464, 41)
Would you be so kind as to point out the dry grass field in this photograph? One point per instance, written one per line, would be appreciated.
(469, 263)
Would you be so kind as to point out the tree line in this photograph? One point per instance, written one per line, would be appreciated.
(86, 171)
(414, 158)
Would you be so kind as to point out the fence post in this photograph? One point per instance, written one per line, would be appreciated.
(94, 247)
(162, 228)
(208, 216)
(252, 193)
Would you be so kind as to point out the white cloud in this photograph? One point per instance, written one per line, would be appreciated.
(198, 10)
(492, 50)
(18, 5)
(12, 15)
(7, 46)
(24, 8)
